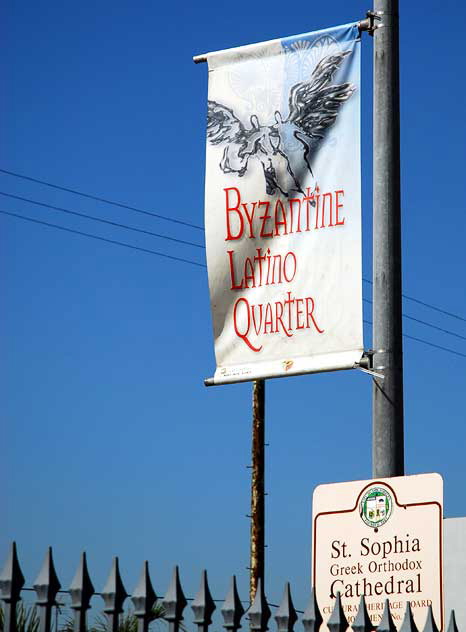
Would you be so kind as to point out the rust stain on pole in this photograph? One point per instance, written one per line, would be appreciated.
(257, 487)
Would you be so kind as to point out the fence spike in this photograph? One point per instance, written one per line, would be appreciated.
(386, 623)
(81, 591)
(362, 621)
(11, 578)
(46, 586)
(144, 595)
(312, 619)
(11, 583)
(81, 588)
(259, 612)
(114, 592)
(408, 624)
(114, 595)
(232, 609)
(286, 615)
(143, 599)
(430, 625)
(174, 602)
(337, 621)
(203, 605)
(452, 627)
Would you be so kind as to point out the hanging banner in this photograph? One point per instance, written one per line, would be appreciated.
(283, 206)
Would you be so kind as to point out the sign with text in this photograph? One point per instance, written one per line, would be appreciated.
(381, 539)
(283, 205)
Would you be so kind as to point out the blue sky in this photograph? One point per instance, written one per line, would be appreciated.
(110, 441)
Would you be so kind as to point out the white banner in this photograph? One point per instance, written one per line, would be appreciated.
(283, 206)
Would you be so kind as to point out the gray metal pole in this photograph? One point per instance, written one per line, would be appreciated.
(387, 400)
(257, 545)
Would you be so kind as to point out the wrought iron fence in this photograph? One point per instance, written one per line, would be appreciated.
(47, 586)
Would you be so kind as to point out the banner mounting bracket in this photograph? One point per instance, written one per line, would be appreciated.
(370, 372)
(368, 24)
(366, 364)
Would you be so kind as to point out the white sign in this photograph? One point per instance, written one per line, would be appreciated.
(454, 547)
(283, 205)
(382, 539)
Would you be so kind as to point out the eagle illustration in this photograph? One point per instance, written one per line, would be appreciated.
(313, 108)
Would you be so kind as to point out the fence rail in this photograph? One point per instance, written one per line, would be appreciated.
(144, 598)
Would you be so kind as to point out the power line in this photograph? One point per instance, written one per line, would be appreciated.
(195, 263)
(423, 322)
(426, 342)
(181, 241)
(109, 241)
(101, 199)
(429, 305)
(176, 221)
(101, 220)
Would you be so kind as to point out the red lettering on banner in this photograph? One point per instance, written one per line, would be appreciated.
(310, 202)
(292, 201)
(317, 200)
(250, 218)
(278, 318)
(229, 209)
(262, 269)
(264, 218)
(282, 222)
(299, 313)
(281, 217)
(249, 273)
(259, 258)
(268, 321)
(275, 218)
(235, 325)
(233, 286)
(310, 314)
(294, 265)
(338, 207)
(327, 196)
(289, 301)
(257, 328)
(282, 316)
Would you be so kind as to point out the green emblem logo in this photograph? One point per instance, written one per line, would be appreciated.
(376, 507)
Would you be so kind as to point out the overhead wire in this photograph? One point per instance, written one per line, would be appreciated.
(106, 239)
(98, 198)
(423, 322)
(180, 259)
(185, 242)
(177, 221)
(101, 220)
(429, 305)
(426, 342)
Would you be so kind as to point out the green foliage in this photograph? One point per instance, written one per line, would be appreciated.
(27, 618)
(128, 621)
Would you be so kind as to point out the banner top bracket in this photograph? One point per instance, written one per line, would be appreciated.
(369, 23)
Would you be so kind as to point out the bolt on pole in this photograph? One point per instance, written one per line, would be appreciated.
(257, 540)
(387, 394)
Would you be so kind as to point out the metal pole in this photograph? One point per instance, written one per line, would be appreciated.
(257, 488)
(387, 400)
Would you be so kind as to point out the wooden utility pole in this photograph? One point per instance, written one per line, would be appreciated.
(257, 542)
